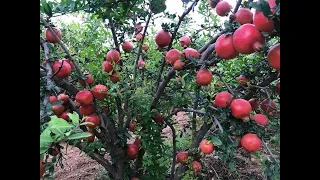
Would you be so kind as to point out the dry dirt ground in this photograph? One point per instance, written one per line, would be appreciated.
(78, 166)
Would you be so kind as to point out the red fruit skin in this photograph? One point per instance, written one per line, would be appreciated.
(244, 16)
(63, 97)
(50, 37)
(41, 169)
(272, 3)
(52, 99)
(100, 91)
(137, 142)
(132, 126)
(89, 80)
(223, 8)
(141, 64)
(182, 157)
(191, 52)
(251, 142)
(138, 118)
(107, 66)
(195, 166)
(65, 116)
(127, 46)
(139, 27)
(247, 39)
(254, 104)
(262, 23)
(204, 77)
(274, 57)
(114, 77)
(278, 87)
(223, 99)
(240, 108)
(265, 105)
(242, 80)
(172, 56)
(84, 97)
(90, 138)
(162, 38)
(138, 36)
(64, 72)
(54, 151)
(185, 41)
(224, 47)
(113, 56)
(57, 110)
(158, 118)
(93, 118)
(86, 110)
(261, 119)
(132, 150)
(206, 148)
(178, 65)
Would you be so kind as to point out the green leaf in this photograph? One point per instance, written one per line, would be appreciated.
(43, 149)
(45, 136)
(232, 166)
(74, 117)
(79, 135)
(84, 123)
(59, 122)
(216, 141)
(262, 6)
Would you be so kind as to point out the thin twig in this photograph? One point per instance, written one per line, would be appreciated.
(223, 81)
(265, 144)
(174, 152)
(218, 123)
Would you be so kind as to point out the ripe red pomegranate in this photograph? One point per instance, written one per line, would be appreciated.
(139, 27)
(52, 99)
(91, 137)
(86, 110)
(251, 142)
(278, 87)
(244, 16)
(132, 125)
(107, 66)
(224, 47)
(41, 168)
(141, 64)
(206, 146)
(178, 65)
(262, 23)
(70, 62)
(65, 116)
(84, 97)
(65, 70)
(195, 166)
(162, 38)
(127, 46)
(247, 39)
(261, 119)
(158, 118)
(182, 157)
(114, 77)
(93, 118)
(54, 150)
(265, 105)
(223, 99)
(173, 55)
(204, 77)
(191, 52)
(138, 36)
(272, 4)
(274, 57)
(63, 97)
(113, 56)
(242, 80)
(223, 8)
(137, 142)
(184, 41)
(57, 110)
(240, 108)
(89, 80)
(50, 37)
(254, 104)
(100, 91)
(145, 47)
(132, 150)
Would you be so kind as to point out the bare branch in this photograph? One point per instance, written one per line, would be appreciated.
(237, 6)
(218, 123)
(223, 81)
(213, 40)
(114, 35)
(174, 152)
(265, 145)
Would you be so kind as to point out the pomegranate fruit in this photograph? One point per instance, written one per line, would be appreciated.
(184, 41)
(138, 118)
(84, 97)
(182, 157)
(50, 37)
(278, 87)
(127, 46)
(178, 65)
(224, 47)
(86, 110)
(158, 118)
(107, 66)
(91, 137)
(113, 56)
(52, 99)
(64, 66)
(272, 4)
(41, 168)
(251, 142)
(141, 64)
(132, 125)
(240, 108)
(57, 110)
(274, 57)
(244, 16)
(53, 151)
(247, 39)
(223, 99)
(242, 80)
(223, 8)
(114, 77)
(93, 118)
(162, 38)
(262, 23)
(139, 27)
(137, 142)
(191, 52)
(204, 77)
(195, 166)
(63, 97)
(89, 80)
(206, 146)
(138, 36)
(132, 150)
(254, 104)
(268, 105)
(100, 91)
(261, 119)
(173, 55)
(65, 116)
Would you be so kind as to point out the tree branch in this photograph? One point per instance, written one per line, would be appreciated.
(174, 152)
(223, 81)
